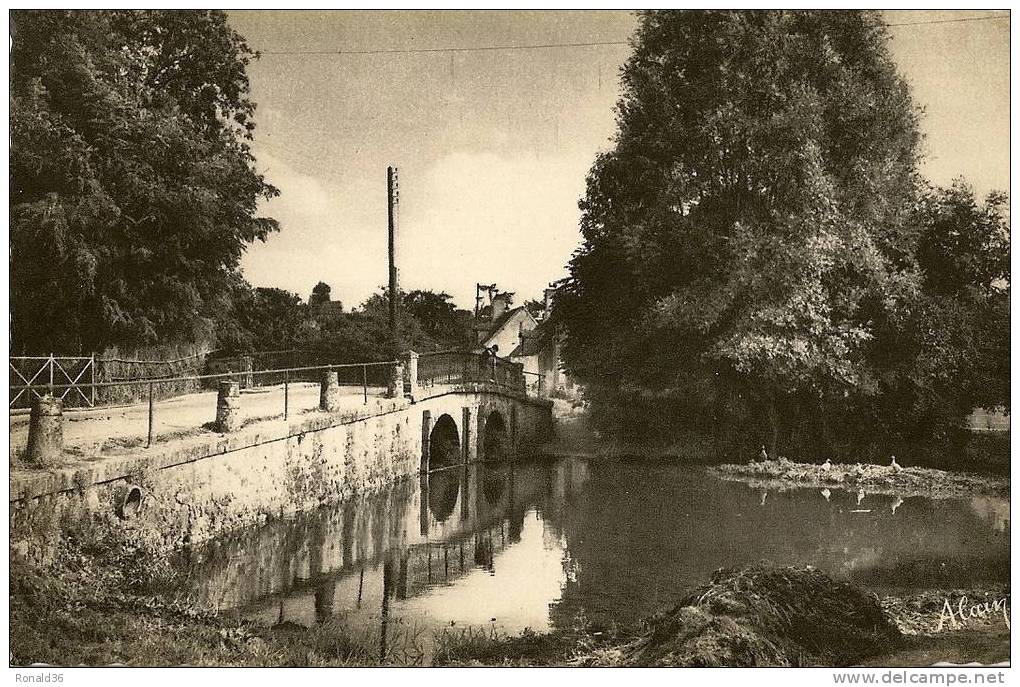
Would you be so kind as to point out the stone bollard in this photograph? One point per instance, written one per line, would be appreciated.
(329, 392)
(46, 432)
(395, 384)
(411, 370)
(228, 407)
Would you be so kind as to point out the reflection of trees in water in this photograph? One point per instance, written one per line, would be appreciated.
(994, 511)
(493, 488)
(637, 537)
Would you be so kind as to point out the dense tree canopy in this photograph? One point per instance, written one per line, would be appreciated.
(266, 319)
(757, 245)
(133, 190)
(320, 294)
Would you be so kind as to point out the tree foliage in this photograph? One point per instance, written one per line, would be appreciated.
(264, 319)
(133, 188)
(320, 294)
(755, 245)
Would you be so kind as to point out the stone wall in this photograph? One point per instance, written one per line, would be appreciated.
(198, 487)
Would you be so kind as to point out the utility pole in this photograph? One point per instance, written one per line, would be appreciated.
(392, 200)
(488, 288)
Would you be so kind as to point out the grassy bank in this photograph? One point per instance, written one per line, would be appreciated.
(110, 595)
(879, 479)
(766, 616)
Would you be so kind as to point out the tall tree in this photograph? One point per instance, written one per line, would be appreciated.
(754, 228)
(133, 187)
(320, 294)
(438, 317)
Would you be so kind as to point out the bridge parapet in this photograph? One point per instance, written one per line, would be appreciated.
(467, 367)
(267, 395)
(201, 484)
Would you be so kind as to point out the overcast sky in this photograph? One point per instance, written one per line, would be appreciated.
(493, 146)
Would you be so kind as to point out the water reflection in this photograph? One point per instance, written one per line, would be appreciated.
(540, 546)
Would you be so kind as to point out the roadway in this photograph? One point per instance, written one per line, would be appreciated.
(89, 432)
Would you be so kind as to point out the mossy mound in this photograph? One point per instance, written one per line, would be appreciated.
(766, 616)
(878, 479)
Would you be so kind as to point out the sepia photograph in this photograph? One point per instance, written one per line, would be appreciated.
(510, 338)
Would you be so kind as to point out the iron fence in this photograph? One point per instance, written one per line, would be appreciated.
(71, 378)
(165, 412)
(465, 367)
(273, 396)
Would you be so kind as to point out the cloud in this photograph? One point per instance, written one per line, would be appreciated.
(327, 232)
(466, 218)
(491, 218)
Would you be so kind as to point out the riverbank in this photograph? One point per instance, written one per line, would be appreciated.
(877, 479)
(115, 597)
(766, 616)
(111, 595)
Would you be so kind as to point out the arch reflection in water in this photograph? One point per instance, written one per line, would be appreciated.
(494, 440)
(441, 491)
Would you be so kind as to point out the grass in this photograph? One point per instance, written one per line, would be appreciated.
(909, 481)
(110, 595)
(925, 614)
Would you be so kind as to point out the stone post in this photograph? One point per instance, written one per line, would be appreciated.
(395, 384)
(329, 392)
(228, 407)
(46, 432)
(411, 368)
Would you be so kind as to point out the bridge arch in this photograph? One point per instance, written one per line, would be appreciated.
(495, 443)
(444, 444)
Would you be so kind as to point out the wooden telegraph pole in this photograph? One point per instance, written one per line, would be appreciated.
(392, 199)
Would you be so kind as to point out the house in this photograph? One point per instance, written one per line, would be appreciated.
(501, 326)
(538, 350)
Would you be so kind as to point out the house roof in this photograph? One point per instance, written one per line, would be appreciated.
(534, 341)
(495, 326)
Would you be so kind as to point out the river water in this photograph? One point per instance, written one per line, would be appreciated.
(551, 545)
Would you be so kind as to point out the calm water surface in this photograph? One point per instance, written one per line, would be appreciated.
(547, 546)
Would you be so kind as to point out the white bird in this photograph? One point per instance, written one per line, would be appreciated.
(826, 493)
(764, 495)
(894, 465)
(827, 465)
(860, 496)
(896, 504)
(762, 453)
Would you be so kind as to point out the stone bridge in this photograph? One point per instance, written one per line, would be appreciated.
(192, 488)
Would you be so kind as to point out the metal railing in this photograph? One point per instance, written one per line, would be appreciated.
(465, 367)
(358, 378)
(268, 394)
(534, 386)
(75, 375)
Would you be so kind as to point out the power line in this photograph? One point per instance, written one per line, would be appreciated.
(547, 46)
(484, 48)
(950, 21)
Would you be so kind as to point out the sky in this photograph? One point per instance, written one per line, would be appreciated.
(492, 147)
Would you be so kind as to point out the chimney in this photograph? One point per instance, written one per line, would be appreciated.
(498, 305)
(549, 293)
